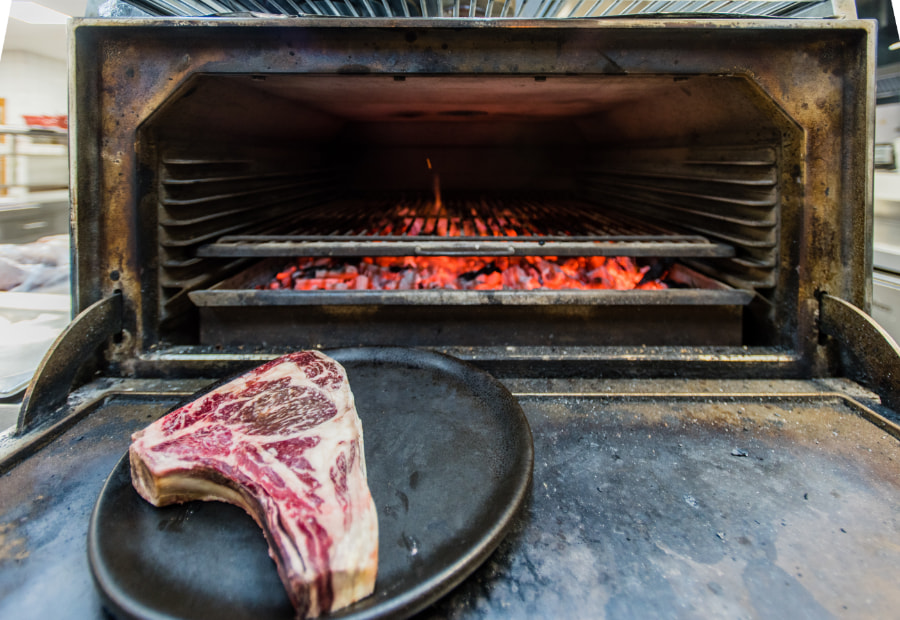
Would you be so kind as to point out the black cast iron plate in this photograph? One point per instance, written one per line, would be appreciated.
(449, 455)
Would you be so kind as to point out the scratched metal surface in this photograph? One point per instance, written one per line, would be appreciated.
(707, 507)
(639, 507)
(45, 506)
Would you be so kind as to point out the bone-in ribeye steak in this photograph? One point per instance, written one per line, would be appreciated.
(285, 443)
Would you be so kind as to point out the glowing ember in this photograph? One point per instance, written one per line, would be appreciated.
(464, 273)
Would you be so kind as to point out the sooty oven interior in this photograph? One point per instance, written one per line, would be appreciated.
(728, 164)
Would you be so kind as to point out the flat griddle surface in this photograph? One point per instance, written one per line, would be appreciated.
(709, 505)
(449, 456)
(639, 506)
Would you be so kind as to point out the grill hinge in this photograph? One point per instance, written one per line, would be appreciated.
(71, 351)
(868, 352)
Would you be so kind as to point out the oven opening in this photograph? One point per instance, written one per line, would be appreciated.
(429, 210)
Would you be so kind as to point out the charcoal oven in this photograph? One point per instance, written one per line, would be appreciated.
(690, 160)
(729, 159)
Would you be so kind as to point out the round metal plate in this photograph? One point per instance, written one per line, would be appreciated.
(449, 456)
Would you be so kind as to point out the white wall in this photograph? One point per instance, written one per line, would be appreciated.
(32, 84)
(887, 122)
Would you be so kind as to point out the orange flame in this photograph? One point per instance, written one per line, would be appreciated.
(435, 183)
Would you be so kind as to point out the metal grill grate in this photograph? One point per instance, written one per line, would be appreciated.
(466, 227)
(494, 9)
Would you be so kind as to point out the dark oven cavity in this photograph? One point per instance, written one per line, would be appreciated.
(495, 167)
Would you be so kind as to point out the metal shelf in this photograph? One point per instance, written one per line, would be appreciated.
(21, 145)
(465, 246)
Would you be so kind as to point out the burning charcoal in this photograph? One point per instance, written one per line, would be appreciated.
(484, 271)
(469, 273)
(408, 281)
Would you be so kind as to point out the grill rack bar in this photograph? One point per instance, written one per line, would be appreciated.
(239, 246)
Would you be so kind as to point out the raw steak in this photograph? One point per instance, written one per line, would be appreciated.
(284, 442)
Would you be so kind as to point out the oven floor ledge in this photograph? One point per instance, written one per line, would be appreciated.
(509, 361)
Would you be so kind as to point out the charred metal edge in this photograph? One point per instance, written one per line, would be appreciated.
(465, 247)
(869, 354)
(440, 297)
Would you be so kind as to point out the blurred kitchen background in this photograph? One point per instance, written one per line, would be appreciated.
(34, 195)
(886, 251)
(34, 220)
